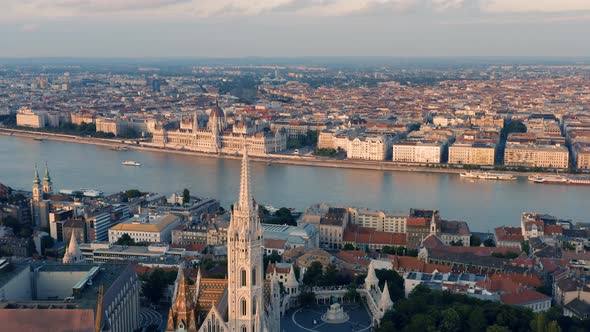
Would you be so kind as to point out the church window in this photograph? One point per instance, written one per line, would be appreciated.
(243, 304)
(243, 278)
(244, 328)
(254, 277)
(254, 306)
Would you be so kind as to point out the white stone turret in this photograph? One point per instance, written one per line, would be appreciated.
(371, 281)
(291, 285)
(385, 303)
(73, 255)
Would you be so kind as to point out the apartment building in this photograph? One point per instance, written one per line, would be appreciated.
(367, 147)
(25, 117)
(581, 155)
(419, 151)
(546, 156)
(468, 153)
(393, 222)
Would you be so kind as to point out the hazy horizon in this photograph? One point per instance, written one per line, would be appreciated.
(294, 28)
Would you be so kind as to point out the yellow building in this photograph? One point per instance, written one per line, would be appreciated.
(472, 153)
(25, 117)
(528, 155)
(151, 228)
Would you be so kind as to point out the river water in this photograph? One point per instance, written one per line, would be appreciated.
(484, 204)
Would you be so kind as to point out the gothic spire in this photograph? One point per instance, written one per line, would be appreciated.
(46, 178)
(245, 200)
(36, 178)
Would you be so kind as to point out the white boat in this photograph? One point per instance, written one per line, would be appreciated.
(131, 163)
(91, 192)
(487, 176)
(564, 179)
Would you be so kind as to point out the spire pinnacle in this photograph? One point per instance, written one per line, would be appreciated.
(46, 178)
(245, 200)
(36, 178)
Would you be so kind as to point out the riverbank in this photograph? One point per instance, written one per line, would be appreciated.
(269, 159)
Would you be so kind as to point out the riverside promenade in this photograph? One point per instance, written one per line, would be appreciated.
(269, 158)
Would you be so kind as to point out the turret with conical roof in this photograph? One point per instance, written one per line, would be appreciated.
(385, 303)
(291, 284)
(371, 281)
(73, 255)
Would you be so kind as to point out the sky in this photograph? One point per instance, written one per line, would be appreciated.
(292, 28)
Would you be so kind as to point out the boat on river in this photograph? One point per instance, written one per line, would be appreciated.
(131, 163)
(487, 176)
(561, 179)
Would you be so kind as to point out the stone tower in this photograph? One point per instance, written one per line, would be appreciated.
(47, 185)
(245, 267)
(73, 254)
(182, 312)
(37, 189)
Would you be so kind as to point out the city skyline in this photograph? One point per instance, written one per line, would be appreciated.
(292, 28)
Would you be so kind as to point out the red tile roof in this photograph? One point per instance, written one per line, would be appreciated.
(417, 222)
(55, 320)
(274, 243)
(513, 234)
(523, 297)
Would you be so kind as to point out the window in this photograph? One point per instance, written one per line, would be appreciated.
(253, 306)
(243, 305)
(244, 328)
(243, 278)
(254, 277)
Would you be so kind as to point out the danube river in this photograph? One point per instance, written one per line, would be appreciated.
(484, 204)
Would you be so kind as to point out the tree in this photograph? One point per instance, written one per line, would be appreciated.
(450, 321)
(313, 275)
(307, 299)
(46, 242)
(348, 246)
(186, 196)
(285, 217)
(395, 283)
(132, 193)
(154, 284)
(125, 240)
(525, 247)
(477, 321)
(474, 241)
(489, 242)
(553, 326)
(538, 324)
(330, 277)
(497, 328)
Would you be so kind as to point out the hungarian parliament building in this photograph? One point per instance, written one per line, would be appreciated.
(219, 137)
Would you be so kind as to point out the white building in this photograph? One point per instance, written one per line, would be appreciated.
(367, 147)
(151, 228)
(427, 151)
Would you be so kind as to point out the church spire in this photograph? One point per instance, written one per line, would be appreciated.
(245, 200)
(46, 178)
(36, 177)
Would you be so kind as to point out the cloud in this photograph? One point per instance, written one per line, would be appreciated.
(191, 9)
(546, 6)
